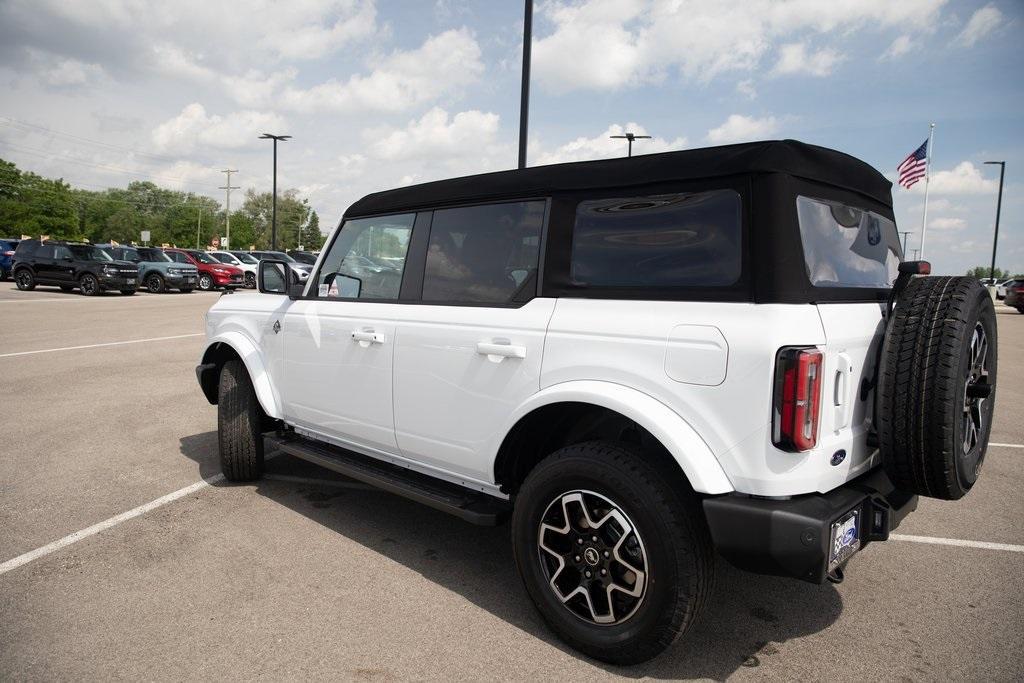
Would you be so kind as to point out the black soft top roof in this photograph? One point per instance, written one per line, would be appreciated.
(772, 156)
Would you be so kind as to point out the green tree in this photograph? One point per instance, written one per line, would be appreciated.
(311, 238)
(982, 272)
(33, 205)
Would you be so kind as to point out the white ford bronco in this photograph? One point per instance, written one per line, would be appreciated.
(640, 362)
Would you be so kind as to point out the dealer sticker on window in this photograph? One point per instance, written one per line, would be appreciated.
(845, 539)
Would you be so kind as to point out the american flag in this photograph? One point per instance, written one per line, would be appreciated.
(914, 166)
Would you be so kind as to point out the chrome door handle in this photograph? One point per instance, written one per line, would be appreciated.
(496, 351)
(367, 337)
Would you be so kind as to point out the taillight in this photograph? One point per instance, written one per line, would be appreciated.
(797, 398)
(9, 253)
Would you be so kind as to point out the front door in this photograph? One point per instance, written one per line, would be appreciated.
(471, 352)
(339, 340)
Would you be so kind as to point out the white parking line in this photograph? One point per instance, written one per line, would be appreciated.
(1007, 445)
(96, 346)
(106, 524)
(935, 540)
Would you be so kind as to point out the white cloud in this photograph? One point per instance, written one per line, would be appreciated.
(794, 58)
(981, 23)
(947, 223)
(193, 127)
(964, 178)
(899, 47)
(313, 38)
(739, 128)
(604, 147)
(173, 61)
(608, 44)
(443, 63)
(256, 89)
(436, 134)
(747, 89)
(71, 72)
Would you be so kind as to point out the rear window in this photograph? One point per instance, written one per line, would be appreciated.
(655, 241)
(845, 246)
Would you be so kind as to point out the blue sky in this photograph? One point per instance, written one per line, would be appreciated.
(384, 93)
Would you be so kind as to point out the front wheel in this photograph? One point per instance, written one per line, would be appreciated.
(154, 283)
(250, 280)
(89, 285)
(613, 550)
(239, 417)
(25, 280)
(205, 282)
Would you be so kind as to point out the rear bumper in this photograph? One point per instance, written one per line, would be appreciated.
(792, 537)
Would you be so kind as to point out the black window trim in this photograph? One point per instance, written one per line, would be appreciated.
(414, 270)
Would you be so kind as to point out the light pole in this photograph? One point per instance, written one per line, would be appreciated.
(524, 94)
(273, 214)
(999, 208)
(227, 211)
(905, 233)
(630, 137)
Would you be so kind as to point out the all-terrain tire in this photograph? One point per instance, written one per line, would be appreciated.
(154, 283)
(666, 515)
(89, 285)
(239, 417)
(935, 397)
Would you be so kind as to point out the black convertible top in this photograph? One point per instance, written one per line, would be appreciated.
(788, 157)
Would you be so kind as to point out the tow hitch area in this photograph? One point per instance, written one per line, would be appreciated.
(807, 537)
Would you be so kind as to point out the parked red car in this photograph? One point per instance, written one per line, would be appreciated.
(212, 273)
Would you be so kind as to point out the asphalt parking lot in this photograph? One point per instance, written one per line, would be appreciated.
(306, 575)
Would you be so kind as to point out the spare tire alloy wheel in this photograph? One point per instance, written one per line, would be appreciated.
(89, 285)
(593, 557)
(155, 283)
(937, 386)
(24, 279)
(205, 282)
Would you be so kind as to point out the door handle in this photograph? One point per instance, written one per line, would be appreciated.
(497, 351)
(367, 337)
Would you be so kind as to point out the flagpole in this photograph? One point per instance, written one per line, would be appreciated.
(927, 177)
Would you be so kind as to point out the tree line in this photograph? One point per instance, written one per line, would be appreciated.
(33, 205)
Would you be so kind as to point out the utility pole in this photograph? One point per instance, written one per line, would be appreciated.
(199, 225)
(227, 212)
(916, 252)
(273, 214)
(630, 137)
(999, 208)
(524, 95)
(904, 233)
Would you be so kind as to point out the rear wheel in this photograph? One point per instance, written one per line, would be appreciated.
(937, 384)
(154, 283)
(89, 285)
(205, 282)
(25, 280)
(239, 417)
(250, 280)
(613, 553)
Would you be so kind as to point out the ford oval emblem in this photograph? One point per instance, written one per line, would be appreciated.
(838, 457)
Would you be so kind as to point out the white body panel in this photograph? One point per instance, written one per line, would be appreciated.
(438, 388)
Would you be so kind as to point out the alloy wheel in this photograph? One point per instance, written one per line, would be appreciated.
(89, 285)
(593, 557)
(205, 282)
(154, 284)
(976, 390)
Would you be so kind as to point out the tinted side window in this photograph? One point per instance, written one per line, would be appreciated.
(484, 254)
(45, 251)
(367, 259)
(62, 252)
(667, 240)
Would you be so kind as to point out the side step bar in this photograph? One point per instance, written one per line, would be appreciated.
(477, 508)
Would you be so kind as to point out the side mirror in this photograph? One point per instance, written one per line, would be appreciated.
(273, 277)
(343, 286)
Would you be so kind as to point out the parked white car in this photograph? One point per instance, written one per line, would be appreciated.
(640, 362)
(249, 267)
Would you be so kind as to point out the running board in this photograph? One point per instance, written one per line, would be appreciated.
(477, 508)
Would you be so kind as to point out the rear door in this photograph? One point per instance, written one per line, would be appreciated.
(471, 352)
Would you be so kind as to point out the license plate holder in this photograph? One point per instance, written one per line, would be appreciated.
(844, 540)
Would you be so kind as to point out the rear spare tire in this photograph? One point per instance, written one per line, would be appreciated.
(239, 417)
(937, 382)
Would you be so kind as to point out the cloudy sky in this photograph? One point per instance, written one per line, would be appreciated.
(389, 92)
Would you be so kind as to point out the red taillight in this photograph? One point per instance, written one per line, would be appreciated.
(797, 399)
(9, 253)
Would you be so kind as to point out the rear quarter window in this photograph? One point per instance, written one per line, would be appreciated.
(845, 246)
(658, 241)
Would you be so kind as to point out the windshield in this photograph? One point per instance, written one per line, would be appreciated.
(847, 247)
(245, 258)
(225, 257)
(87, 253)
(154, 255)
(203, 257)
(130, 255)
(281, 256)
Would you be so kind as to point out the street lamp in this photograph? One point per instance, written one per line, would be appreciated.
(999, 207)
(630, 137)
(273, 215)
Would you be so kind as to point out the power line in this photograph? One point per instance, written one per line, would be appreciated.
(24, 124)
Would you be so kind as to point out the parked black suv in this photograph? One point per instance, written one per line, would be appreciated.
(72, 264)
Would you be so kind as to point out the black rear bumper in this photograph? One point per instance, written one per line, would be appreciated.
(791, 537)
